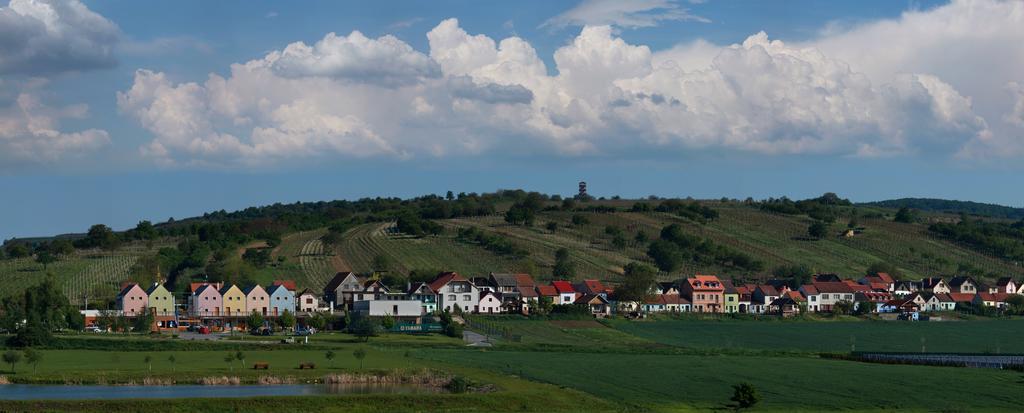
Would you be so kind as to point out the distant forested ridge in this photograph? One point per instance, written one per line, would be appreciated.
(951, 206)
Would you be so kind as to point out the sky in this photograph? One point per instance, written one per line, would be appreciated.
(117, 111)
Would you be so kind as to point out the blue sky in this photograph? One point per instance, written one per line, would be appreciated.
(117, 111)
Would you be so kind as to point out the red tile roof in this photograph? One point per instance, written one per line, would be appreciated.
(444, 278)
(885, 277)
(563, 287)
(961, 297)
(705, 282)
(795, 296)
(832, 287)
(592, 287)
(525, 280)
(527, 292)
(289, 284)
(547, 290)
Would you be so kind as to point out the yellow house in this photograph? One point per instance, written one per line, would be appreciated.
(161, 301)
(730, 298)
(234, 301)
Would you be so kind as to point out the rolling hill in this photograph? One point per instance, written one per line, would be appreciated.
(773, 239)
(952, 207)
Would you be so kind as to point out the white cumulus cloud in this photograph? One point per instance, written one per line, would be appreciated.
(355, 97)
(45, 37)
(385, 60)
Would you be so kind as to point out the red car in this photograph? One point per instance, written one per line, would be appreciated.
(204, 330)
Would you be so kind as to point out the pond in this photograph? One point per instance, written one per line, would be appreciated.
(74, 392)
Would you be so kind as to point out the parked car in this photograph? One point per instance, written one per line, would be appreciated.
(94, 329)
(203, 330)
(262, 331)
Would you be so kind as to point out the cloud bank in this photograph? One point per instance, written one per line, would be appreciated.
(356, 97)
(38, 40)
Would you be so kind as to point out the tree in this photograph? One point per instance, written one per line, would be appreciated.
(745, 395)
(363, 328)
(172, 360)
(45, 258)
(453, 330)
(18, 250)
(254, 320)
(144, 322)
(329, 355)
(666, 255)
(864, 307)
(12, 357)
(641, 237)
(637, 283)
(145, 230)
(240, 356)
(544, 305)
(387, 322)
(564, 267)
(842, 307)
(905, 215)
(101, 236)
(818, 230)
(619, 241)
(230, 359)
(287, 320)
(62, 247)
(359, 354)
(149, 361)
(449, 196)
(33, 357)
(316, 321)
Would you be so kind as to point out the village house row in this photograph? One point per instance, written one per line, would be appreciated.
(519, 293)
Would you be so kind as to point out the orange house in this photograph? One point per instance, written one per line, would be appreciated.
(705, 292)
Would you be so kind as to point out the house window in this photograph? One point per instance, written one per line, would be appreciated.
(466, 297)
(451, 297)
(394, 309)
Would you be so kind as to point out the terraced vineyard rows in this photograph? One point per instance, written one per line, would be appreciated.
(314, 265)
(84, 273)
(773, 239)
(101, 278)
(363, 243)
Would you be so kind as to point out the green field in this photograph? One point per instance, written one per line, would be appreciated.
(678, 382)
(663, 365)
(987, 336)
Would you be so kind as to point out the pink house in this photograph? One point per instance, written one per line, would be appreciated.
(206, 301)
(256, 299)
(132, 300)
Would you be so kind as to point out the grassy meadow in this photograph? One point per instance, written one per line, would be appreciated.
(977, 336)
(658, 365)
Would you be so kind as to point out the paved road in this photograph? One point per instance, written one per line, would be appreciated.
(475, 339)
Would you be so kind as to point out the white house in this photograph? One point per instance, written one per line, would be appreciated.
(822, 296)
(455, 290)
(490, 303)
(566, 293)
(308, 301)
